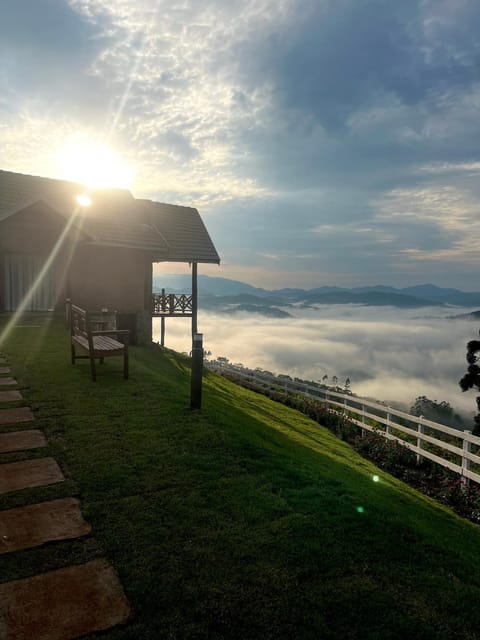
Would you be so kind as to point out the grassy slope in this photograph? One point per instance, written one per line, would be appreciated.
(239, 521)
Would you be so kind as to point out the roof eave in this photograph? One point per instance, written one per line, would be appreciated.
(190, 260)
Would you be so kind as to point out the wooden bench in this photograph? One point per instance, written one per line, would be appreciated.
(96, 333)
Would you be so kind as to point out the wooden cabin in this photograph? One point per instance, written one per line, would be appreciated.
(97, 247)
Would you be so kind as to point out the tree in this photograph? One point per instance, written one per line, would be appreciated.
(441, 412)
(347, 384)
(334, 381)
(471, 379)
(325, 378)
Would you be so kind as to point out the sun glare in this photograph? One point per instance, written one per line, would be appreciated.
(84, 200)
(94, 165)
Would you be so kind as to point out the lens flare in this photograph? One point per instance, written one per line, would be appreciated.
(83, 200)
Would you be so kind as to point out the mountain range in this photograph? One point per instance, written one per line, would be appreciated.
(223, 294)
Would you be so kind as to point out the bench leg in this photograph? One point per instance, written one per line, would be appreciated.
(73, 353)
(125, 364)
(92, 368)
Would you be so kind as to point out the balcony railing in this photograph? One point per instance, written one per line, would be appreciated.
(170, 305)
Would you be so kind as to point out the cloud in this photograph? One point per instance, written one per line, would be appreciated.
(389, 354)
(339, 140)
(178, 97)
(47, 50)
(336, 58)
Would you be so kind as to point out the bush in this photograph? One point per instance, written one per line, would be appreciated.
(390, 455)
(463, 498)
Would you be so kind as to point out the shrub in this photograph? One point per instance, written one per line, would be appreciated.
(390, 455)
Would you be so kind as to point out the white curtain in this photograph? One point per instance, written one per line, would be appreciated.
(21, 274)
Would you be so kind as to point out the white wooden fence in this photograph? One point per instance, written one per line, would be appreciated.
(421, 436)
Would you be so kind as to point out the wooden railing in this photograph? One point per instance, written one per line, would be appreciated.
(171, 305)
(451, 448)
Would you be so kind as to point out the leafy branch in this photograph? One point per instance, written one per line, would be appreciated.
(471, 380)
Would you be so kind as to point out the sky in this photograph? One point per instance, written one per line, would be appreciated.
(324, 142)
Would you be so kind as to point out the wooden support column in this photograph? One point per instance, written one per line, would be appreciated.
(162, 324)
(144, 321)
(194, 299)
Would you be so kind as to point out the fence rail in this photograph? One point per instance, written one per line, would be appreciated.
(458, 451)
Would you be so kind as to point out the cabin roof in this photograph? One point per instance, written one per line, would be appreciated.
(115, 217)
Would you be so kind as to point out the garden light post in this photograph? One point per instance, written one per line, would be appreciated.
(197, 372)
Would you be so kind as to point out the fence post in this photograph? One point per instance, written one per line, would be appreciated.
(388, 428)
(466, 461)
(421, 431)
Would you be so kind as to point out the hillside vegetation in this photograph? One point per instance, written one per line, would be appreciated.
(244, 520)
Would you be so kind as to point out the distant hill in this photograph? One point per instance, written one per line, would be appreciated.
(474, 315)
(448, 296)
(269, 312)
(269, 307)
(370, 298)
(225, 294)
(206, 285)
(300, 293)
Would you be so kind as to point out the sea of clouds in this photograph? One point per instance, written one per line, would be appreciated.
(389, 354)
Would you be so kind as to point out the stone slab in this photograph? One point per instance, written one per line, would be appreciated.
(36, 524)
(63, 604)
(10, 396)
(29, 473)
(4, 370)
(21, 440)
(16, 414)
(7, 382)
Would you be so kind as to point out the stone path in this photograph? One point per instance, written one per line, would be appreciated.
(58, 605)
(29, 473)
(17, 414)
(36, 524)
(10, 396)
(67, 603)
(7, 382)
(21, 440)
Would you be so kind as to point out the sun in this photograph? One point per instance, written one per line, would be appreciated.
(94, 164)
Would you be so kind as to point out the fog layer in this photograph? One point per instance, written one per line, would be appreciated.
(389, 354)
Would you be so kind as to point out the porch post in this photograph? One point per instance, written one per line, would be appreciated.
(194, 299)
(162, 323)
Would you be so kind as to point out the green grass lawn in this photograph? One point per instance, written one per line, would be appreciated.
(243, 520)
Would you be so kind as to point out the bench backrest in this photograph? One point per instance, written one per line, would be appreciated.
(78, 321)
(82, 321)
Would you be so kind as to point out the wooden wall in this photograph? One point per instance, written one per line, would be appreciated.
(109, 277)
(94, 277)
